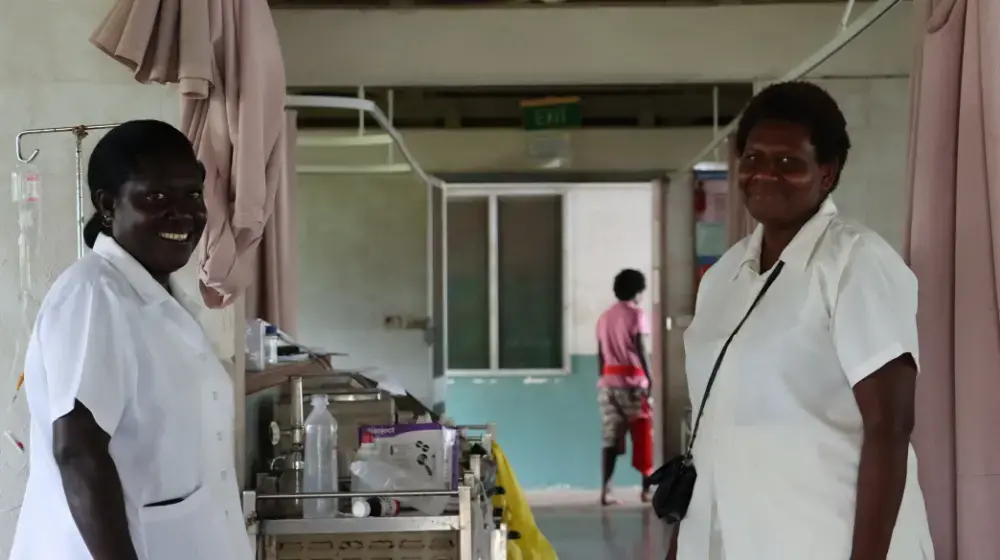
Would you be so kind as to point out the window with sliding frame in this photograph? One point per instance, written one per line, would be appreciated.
(505, 284)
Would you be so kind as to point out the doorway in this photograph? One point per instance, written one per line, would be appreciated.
(529, 270)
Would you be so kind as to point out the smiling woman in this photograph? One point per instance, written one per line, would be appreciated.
(131, 413)
(805, 402)
(146, 186)
(793, 143)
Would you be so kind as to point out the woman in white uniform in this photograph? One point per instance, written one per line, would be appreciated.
(131, 412)
(804, 446)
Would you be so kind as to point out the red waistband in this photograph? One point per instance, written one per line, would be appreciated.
(623, 370)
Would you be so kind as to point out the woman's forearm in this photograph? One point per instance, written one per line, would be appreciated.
(881, 481)
(92, 486)
(95, 499)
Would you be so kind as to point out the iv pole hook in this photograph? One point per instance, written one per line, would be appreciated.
(80, 131)
(20, 153)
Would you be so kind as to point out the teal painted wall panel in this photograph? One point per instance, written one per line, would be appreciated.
(551, 432)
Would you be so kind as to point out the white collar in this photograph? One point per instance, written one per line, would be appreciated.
(151, 291)
(800, 250)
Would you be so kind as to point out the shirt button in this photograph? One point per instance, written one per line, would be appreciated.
(223, 474)
(218, 436)
(215, 395)
(227, 514)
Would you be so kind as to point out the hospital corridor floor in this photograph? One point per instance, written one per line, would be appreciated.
(580, 529)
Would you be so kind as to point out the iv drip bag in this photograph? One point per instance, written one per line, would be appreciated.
(26, 193)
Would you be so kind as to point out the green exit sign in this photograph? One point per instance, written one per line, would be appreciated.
(551, 112)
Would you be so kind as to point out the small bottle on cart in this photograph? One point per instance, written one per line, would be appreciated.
(271, 340)
(374, 507)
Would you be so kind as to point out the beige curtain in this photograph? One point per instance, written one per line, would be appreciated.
(226, 59)
(953, 247)
(739, 223)
(274, 294)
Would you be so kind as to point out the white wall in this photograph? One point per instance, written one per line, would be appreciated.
(609, 229)
(872, 189)
(582, 45)
(363, 257)
(51, 76)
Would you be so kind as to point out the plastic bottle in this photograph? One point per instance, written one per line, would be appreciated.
(320, 460)
(271, 340)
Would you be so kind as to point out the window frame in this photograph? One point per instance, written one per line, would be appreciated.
(492, 193)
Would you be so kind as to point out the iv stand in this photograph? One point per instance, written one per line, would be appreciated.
(80, 132)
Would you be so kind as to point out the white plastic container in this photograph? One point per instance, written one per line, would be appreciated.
(369, 473)
(320, 460)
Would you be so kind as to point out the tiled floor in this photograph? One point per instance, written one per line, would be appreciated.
(580, 529)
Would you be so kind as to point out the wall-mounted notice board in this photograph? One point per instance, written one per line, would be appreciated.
(710, 198)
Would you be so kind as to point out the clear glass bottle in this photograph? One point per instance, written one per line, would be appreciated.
(320, 460)
(271, 340)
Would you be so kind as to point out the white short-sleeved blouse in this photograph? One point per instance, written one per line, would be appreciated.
(111, 337)
(780, 443)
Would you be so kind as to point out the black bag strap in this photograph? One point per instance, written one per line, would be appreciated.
(722, 353)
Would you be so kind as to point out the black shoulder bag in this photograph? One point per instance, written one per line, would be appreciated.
(675, 480)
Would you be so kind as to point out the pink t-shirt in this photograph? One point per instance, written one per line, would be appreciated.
(616, 330)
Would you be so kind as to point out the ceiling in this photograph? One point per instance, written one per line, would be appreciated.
(609, 107)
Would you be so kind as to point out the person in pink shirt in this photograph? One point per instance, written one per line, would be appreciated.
(624, 383)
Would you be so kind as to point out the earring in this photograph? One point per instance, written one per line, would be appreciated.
(106, 218)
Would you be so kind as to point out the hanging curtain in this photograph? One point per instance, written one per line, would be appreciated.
(739, 223)
(274, 294)
(953, 246)
(225, 56)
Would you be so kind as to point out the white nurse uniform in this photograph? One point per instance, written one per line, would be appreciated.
(108, 335)
(780, 443)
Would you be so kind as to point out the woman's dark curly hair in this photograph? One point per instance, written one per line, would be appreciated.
(806, 105)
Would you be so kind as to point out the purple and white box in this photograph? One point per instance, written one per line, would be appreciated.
(428, 452)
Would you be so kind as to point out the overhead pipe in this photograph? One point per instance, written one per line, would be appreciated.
(846, 35)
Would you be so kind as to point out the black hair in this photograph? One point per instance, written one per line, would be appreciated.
(629, 283)
(807, 105)
(118, 157)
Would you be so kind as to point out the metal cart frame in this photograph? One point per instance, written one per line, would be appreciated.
(472, 503)
(472, 521)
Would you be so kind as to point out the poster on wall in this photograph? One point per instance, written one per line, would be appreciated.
(711, 185)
